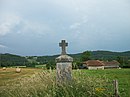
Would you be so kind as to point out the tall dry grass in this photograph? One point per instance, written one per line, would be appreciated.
(44, 84)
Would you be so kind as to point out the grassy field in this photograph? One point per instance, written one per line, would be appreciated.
(41, 83)
(41, 66)
(9, 75)
(122, 75)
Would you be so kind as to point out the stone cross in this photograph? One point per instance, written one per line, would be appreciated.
(63, 45)
(64, 64)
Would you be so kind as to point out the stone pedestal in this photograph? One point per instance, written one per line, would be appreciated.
(64, 68)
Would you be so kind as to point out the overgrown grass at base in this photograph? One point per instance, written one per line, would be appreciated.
(44, 85)
(85, 83)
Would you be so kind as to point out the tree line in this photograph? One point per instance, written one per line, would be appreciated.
(30, 61)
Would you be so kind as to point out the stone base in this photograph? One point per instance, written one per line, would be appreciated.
(64, 71)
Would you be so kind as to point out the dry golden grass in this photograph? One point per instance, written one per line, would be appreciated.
(8, 75)
(34, 83)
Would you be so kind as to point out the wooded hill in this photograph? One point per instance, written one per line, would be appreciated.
(15, 60)
(105, 55)
(12, 60)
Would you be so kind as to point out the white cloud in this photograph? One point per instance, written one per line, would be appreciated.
(77, 25)
(11, 23)
(7, 23)
(35, 28)
(2, 46)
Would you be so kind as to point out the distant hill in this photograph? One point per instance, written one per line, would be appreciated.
(106, 55)
(10, 59)
(100, 55)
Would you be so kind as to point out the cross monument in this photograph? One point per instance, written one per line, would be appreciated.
(63, 45)
(63, 64)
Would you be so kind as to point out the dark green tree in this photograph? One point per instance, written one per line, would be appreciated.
(30, 64)
(123, 60)
(51, 64)
(77, 65)
(85, 56)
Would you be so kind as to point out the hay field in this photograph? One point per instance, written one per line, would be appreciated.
(42, 83)
(9, 75)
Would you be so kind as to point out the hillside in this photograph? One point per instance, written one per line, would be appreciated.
(108, 55)
(100, 55)
(104, 55)
(10, 59)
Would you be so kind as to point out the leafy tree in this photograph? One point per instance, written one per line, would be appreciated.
(30, 64)
(86, 56)
(120, 59)
(51, 64)
(77, 65)
(123, 60)
(11, 60)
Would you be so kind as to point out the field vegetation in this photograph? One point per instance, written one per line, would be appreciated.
(32, 82)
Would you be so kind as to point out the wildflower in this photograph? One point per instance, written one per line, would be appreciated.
(99, 89)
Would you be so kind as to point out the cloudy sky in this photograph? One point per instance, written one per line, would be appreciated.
(35, 27)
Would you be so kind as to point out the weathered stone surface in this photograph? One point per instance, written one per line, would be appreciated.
(64, 58)
(63, 44)
(64, 71)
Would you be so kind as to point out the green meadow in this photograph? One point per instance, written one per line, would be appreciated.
(122, 75)
(36, 82)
